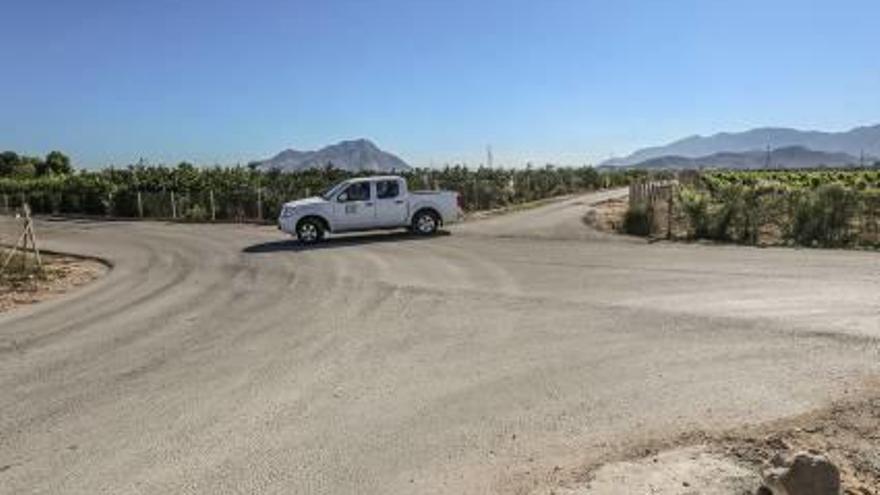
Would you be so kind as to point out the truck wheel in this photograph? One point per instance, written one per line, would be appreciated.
(425, 223)
(309, 231)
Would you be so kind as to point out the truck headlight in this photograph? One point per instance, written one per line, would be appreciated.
(287, 211)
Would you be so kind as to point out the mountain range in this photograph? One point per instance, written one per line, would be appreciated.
(792, 143)
(359, 155)
(787, 157)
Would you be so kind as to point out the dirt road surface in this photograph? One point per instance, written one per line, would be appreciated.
(227, 359)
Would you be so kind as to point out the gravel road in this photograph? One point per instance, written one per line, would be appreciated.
(227, 359)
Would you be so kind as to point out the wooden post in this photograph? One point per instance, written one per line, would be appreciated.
(29, 226)
(5, 203)
(213, 207)
(260, 203)
(140, 205)
(27, 234)
(173, 206)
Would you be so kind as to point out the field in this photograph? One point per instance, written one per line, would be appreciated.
(859, 179)
(816, 208)
(192, 193)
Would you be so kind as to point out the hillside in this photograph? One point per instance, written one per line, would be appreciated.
(852, 142)
(788, 157)
(359, 155)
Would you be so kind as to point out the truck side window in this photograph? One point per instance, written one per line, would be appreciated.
(387, 189)
(359, 191)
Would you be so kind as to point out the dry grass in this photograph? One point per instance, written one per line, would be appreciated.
(23, 282)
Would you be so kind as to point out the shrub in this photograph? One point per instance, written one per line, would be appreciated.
(822, 217)
(638, 220)
(695, 206)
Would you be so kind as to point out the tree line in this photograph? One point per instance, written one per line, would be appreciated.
(187, 191)
(22, 166)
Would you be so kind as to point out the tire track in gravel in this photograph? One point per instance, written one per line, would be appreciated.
(220, 359)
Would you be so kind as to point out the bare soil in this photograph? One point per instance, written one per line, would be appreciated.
(228, 359)
(21, 285)
(847, 433)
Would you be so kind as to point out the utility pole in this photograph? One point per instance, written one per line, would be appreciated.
(767, 158)
(490, 160)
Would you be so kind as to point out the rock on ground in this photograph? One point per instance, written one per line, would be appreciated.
(802, 474)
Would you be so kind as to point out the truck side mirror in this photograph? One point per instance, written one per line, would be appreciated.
(342, 198)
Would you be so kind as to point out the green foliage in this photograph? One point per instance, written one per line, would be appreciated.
(19, 166)
(823, 217)
(56, 163)
(8, 161)
(825, 208)
(695, 205)
(237, 190)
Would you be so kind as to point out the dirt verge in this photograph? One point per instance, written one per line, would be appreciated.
(847, 433)
(23, 284)
(608, 215)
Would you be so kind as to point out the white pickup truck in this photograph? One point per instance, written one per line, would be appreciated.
(368, 203)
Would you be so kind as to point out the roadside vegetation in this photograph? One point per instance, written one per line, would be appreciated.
(20, 269)
(819, 208)
(188, 192)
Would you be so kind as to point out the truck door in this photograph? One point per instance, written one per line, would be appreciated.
(391, 208)
(354, 208)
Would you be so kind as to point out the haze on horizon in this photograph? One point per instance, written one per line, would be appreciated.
(568, 82)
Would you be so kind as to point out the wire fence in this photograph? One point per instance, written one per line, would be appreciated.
(831, 215)
(263, 203)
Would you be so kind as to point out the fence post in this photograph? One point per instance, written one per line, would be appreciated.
(173, 207)
(260, 204)
(476, 194)
(213, 207)
(140, 205)
(5, 203)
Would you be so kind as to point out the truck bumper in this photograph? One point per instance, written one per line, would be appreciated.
(287, 225)
(454, 218)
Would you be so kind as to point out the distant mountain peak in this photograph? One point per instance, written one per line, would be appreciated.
(354, 155)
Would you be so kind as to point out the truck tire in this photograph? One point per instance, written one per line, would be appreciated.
(309, 231)
(425, 222)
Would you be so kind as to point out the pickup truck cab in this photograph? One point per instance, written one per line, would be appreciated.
(368, 203)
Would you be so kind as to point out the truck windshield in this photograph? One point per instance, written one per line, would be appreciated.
(328, 193)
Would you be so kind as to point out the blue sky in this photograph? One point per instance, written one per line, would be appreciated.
(569, 82)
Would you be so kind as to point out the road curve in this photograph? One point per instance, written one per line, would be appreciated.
(227, 359)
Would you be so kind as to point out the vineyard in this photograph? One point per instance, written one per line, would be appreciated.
(190, 193)
(823, 208)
